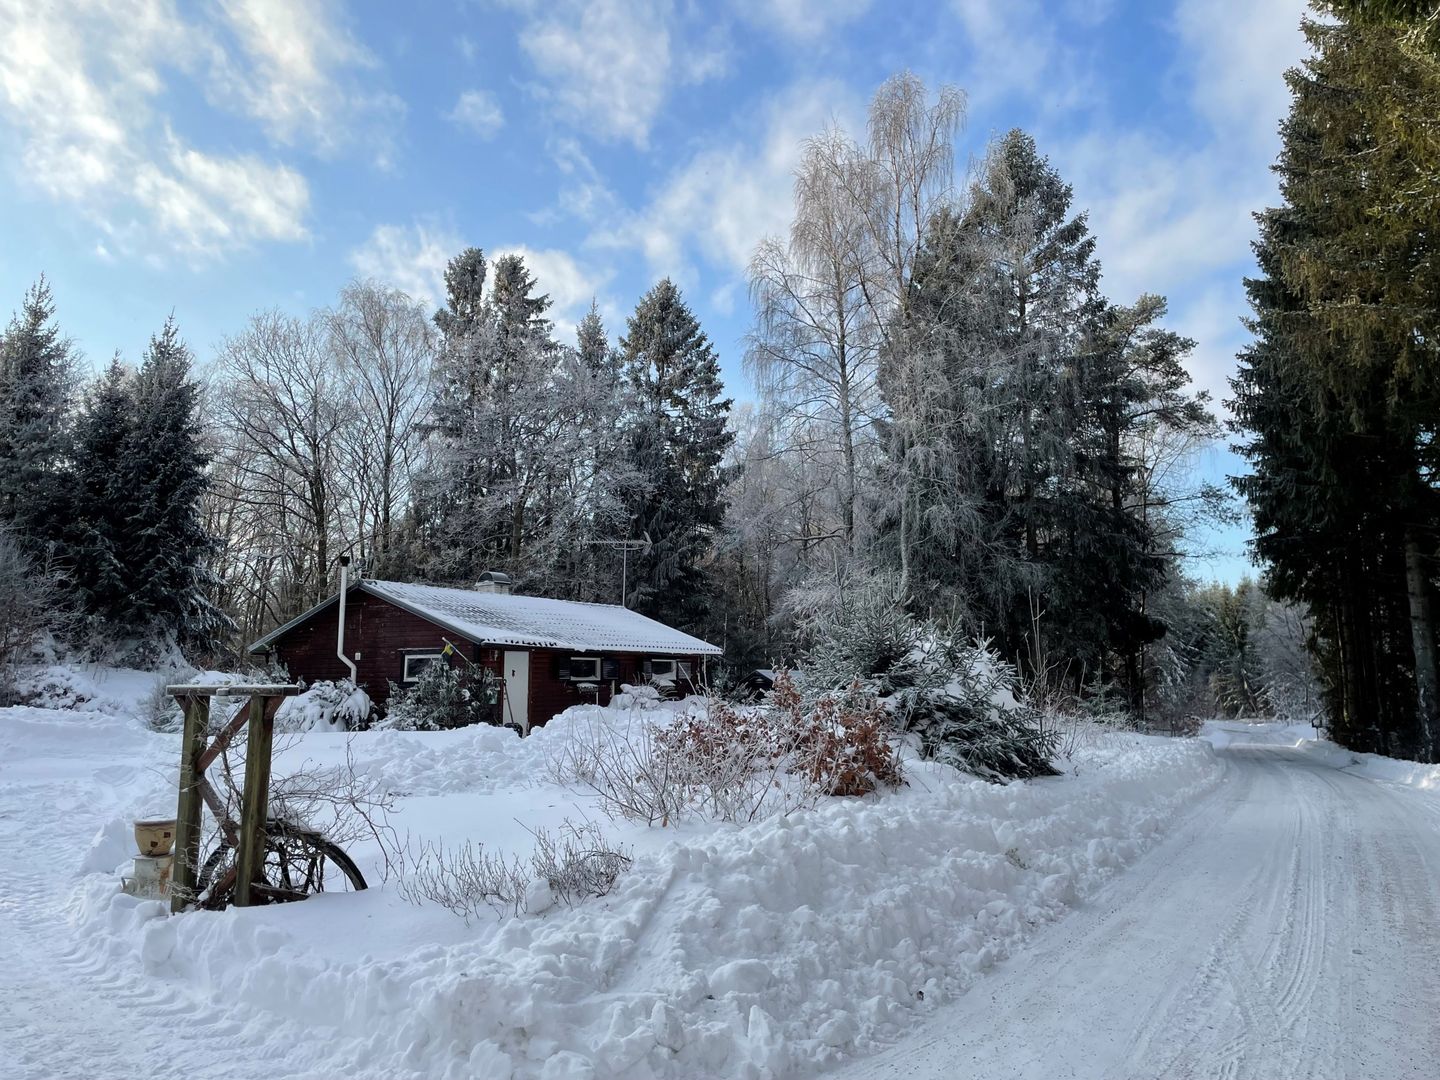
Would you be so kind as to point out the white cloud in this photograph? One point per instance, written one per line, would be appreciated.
(1212, 318)
(79, 87)
(608, 65)
(411, 258)
(1016, 48)
(478, 111)
(1237, 50)
(298, 70)
(731, 195)
(803, 20)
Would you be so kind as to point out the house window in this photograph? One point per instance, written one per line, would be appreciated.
(662, 669)
(684, 668)
(415, 663)
(584, 669)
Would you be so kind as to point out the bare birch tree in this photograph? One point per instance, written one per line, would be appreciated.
(384, 345)
(283, 412)
(830, 297)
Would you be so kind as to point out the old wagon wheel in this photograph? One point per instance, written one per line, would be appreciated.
(299, 862)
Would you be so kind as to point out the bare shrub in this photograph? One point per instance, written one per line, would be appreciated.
(337, 801)
(733, 763)
(159, 711)
(565, 868)
(844, 746)
(620, 764)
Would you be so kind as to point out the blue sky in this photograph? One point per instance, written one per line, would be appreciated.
(219, 158)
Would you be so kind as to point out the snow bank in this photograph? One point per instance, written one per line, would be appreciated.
(1305, 738)
(758, 951)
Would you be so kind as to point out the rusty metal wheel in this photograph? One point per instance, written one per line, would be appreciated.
(299, 862)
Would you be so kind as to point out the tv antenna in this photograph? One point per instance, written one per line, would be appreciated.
(642, 545)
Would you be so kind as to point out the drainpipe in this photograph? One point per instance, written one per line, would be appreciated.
(340, 632)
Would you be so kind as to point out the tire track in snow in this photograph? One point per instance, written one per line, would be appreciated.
(71, 1010)
(1289, 929)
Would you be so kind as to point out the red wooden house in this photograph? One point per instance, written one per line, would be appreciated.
(546, 654)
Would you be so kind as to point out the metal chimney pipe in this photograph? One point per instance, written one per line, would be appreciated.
(340, 632)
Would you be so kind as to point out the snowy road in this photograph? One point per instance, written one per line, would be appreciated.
(1289, 928)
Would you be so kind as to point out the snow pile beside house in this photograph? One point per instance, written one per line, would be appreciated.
(765, 949)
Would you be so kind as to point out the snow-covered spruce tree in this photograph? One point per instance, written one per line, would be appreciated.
(507, 423)
(101, 546)
(37, 384)
(173, 578)
(30, 597)
(977, 440)
(678, 439)
(142, 555)
(957, 698)
(590, 505)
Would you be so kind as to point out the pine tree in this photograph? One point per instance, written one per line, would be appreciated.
(593, 344)
(101, 549)
(978, 439)
(1338, 393)
(36, 389)
(1125, 388)
(508, 426)
(678, 439)
(172, 577)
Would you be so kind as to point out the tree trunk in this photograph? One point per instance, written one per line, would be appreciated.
(1422, 638)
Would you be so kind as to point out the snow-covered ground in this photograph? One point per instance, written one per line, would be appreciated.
(1288, 927)
(785, 948)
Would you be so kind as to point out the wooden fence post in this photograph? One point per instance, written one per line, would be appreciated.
(255, 805)
(187, 813)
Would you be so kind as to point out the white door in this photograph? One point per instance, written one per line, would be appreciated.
(517, 689)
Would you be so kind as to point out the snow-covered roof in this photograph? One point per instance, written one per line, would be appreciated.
(493, 618)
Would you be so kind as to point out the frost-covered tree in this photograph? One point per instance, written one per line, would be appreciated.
(31, 604)
(494, 417)
(589, 504)
(143, 559)
(37, 384)
(523, 433)
(831, 294)
(174, 578)
(678, 438)
(282, 411)
(978, 438)
(384, 347)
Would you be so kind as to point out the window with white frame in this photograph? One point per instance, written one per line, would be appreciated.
(662, 669)
(584, 669)
(416, 663)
